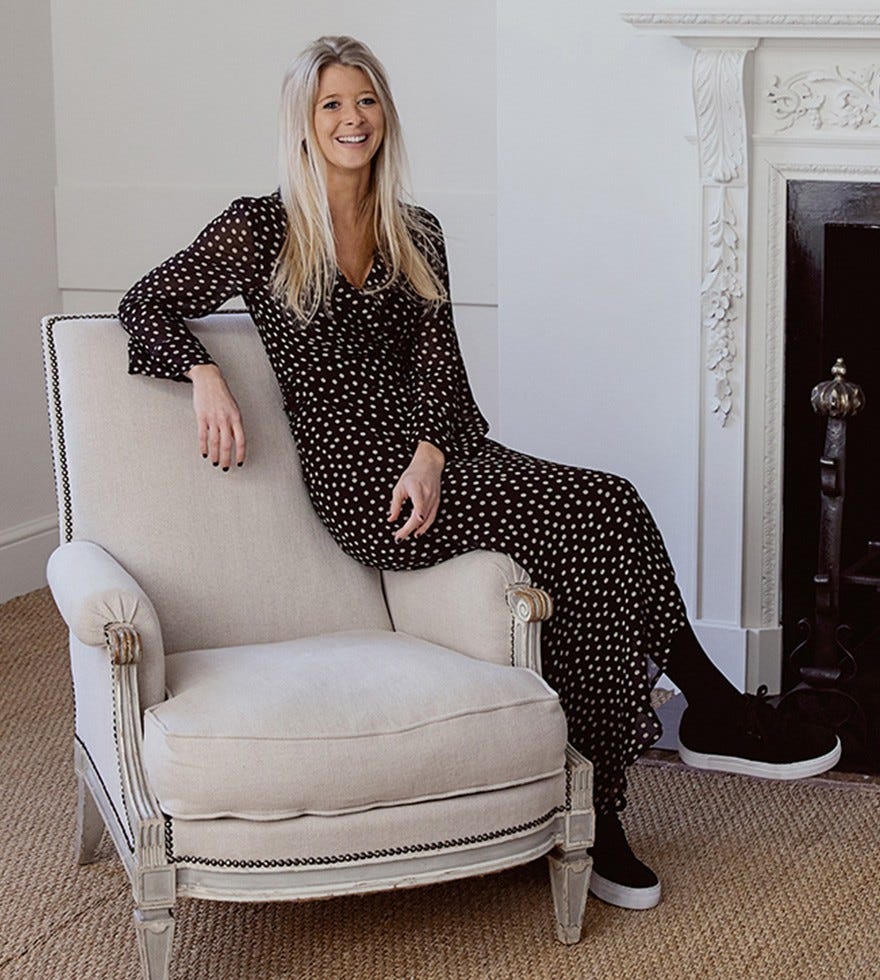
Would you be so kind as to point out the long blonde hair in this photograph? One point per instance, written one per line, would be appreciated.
(306, 269)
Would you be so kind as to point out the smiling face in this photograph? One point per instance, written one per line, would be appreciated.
(349, 121)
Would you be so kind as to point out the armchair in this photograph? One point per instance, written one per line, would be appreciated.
(259, 717)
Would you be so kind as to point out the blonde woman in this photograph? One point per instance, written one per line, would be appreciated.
(348, 287)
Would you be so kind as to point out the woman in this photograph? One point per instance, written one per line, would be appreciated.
(349, 289)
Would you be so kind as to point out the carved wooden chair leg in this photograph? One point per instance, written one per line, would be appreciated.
(570, 881)
(89, 824)
(155, 932)
(570, 864)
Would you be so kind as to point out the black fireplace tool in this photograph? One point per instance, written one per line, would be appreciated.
(828, 693)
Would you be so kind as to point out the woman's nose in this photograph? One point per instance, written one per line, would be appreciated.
(354, 115)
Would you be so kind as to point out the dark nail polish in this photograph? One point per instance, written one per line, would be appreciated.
(239, 464)
(215, 464)
(225, 469)
(204, 455)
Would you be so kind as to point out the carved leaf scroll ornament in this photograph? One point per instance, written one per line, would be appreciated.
(720, 119)
(848, 98)
(720, 291)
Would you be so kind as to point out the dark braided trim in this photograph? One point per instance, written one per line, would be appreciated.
(169, 838)
(364, 855)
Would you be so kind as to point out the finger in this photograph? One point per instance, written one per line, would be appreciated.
(240, 442)
(225, 445)
(203, 436)
(428, 521)
(398, 495)
(408, 528)
(214, 443)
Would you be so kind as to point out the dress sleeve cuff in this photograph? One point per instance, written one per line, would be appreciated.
(435, 439)
(170, 362)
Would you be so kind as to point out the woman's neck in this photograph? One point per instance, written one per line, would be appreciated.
(347, 195)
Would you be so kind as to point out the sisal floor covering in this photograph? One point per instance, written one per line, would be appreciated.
(761, 880)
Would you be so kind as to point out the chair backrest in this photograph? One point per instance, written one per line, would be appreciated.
(226, 558)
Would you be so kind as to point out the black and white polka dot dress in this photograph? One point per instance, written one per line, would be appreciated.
(362, 384)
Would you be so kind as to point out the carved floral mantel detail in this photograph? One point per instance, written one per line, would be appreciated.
(721, 131)
(720, 291)
(848, 98)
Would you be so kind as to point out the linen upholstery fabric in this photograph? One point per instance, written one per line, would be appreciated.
(91, 589)
(92, 675)
(343, 722)
(401, 829)
(226, 558)
(459, 603)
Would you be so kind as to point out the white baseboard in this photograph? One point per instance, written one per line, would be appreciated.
(24, 551)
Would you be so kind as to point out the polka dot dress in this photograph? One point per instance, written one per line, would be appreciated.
(363, 382)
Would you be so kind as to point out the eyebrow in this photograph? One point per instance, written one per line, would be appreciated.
(335, 95)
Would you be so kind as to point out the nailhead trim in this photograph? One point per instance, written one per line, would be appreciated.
(363, 855)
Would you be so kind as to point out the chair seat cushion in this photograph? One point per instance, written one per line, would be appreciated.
(343, 722)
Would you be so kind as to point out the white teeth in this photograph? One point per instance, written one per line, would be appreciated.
(351, 139)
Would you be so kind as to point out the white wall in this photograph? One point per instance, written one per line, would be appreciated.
(29, 290)
(598, 231)
(166, 111)
(187, 120)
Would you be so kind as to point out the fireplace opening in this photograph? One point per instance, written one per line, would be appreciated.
(832, 311)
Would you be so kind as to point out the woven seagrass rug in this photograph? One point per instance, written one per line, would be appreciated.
(761, 880)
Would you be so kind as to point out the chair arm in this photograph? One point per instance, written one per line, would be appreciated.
(530, 607)
(463, 604)
(91, 590)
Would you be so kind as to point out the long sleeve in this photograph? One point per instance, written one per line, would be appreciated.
(443, 411)
(218, 265)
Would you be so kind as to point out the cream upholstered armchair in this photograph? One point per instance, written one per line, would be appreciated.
(259, 717)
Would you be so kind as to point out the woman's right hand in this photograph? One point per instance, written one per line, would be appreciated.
(218, 416)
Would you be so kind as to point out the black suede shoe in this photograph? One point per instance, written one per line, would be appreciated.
(618, 876)
(757, 740)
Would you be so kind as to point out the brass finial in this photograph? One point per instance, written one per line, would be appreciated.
(838, 398)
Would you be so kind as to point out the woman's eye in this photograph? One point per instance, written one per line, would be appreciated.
(332, 104)
(368, 100)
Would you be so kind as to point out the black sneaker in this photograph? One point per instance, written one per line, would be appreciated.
(759, 741)
(618, 876)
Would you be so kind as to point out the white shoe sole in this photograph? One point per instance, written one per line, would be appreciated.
(763, 770)
(623, 896)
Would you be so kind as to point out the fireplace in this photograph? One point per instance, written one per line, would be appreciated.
(784, 104)
(832, 310)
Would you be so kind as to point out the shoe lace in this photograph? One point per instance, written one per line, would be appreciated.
(761, 719)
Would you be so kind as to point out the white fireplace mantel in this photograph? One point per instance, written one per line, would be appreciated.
(724, 25)
(777, 97)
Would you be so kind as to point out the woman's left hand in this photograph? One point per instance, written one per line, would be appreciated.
(420, 483)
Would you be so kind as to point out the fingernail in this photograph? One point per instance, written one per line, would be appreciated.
(225, 469)
(239, 464)
(215, 464)
(204, 455)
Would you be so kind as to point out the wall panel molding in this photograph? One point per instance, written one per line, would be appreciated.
(109, 235)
